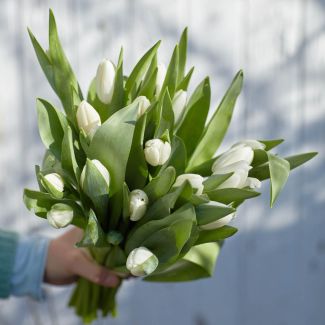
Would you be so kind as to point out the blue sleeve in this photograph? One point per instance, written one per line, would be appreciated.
(29, 267)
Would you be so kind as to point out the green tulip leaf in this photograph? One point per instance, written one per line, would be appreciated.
(111, 145)
(160, 185)
(112, 142)
(140, 69)
(51, 125)
(204, 169)
(209, 236)
(94, 235)
(212, 182)
(119, 96)
(182, 45)
(137, 168)
(260, 157)
(40, 203)
(56, 68)
(270, 144)
(178, 156)
(207, 213)
(279, 173)
(136, 237)
(198, 263)
(263, 172)
(126, 202)
(218, 125)
(166, 120)
(171, 75)
(196, 110)
(68, 157)
(97, 189)
(186, 80)
(229, 195)
(148, 85)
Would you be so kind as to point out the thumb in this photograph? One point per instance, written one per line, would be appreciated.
(90, 270)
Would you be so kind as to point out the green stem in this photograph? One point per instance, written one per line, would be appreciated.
(88, 298)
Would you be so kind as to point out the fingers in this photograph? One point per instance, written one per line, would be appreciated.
(93, 272)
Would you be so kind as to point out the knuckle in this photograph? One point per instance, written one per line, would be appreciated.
(99, 276)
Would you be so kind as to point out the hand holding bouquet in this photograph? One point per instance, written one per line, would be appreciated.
(133, 164)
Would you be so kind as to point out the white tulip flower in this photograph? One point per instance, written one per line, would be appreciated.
(56, 181)
(161, 75)
(218, 223)
(195, 180)
(252, 183)
(254, 144)
(232, 156)
(105, 78)
(179, 103)
(157, 152)
(141, 261)
(138, 204)
(88, 118)
(144, 103)
(101, 168)
(240, 171)
(60, 215)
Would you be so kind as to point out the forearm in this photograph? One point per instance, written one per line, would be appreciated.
(22, 265)
(8, 247)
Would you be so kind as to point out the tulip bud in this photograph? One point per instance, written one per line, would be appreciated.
(88, 118)
(179, 103)
(195, 180)
(101, 168)
(232, 156)
(218, 223)
(105, 78)
(252, 182)
(254, 144)
(141, 262)
(161, 75)
(60, 215)
(138, 204)
(157, 152)
(143, 103)
(54, 181)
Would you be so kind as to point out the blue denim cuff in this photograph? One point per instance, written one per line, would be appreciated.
(29, 267)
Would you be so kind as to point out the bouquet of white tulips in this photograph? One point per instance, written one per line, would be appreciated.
(133, 164)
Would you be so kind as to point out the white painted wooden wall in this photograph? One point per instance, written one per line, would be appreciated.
(273, 271)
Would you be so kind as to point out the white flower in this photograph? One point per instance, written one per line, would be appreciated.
(88, 118)
(218, 223)
(144, 103)
(252, 182)
(56, 181)
(105, 78)
(240, 171)
(195, 180)
(138, 204)
(60, 215)
(100, 167)
(157, 152)
(161, 74)
(254, 144)
(179, 103)
(232, 156)
(141, 261)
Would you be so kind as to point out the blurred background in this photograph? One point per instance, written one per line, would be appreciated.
(273, 271)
